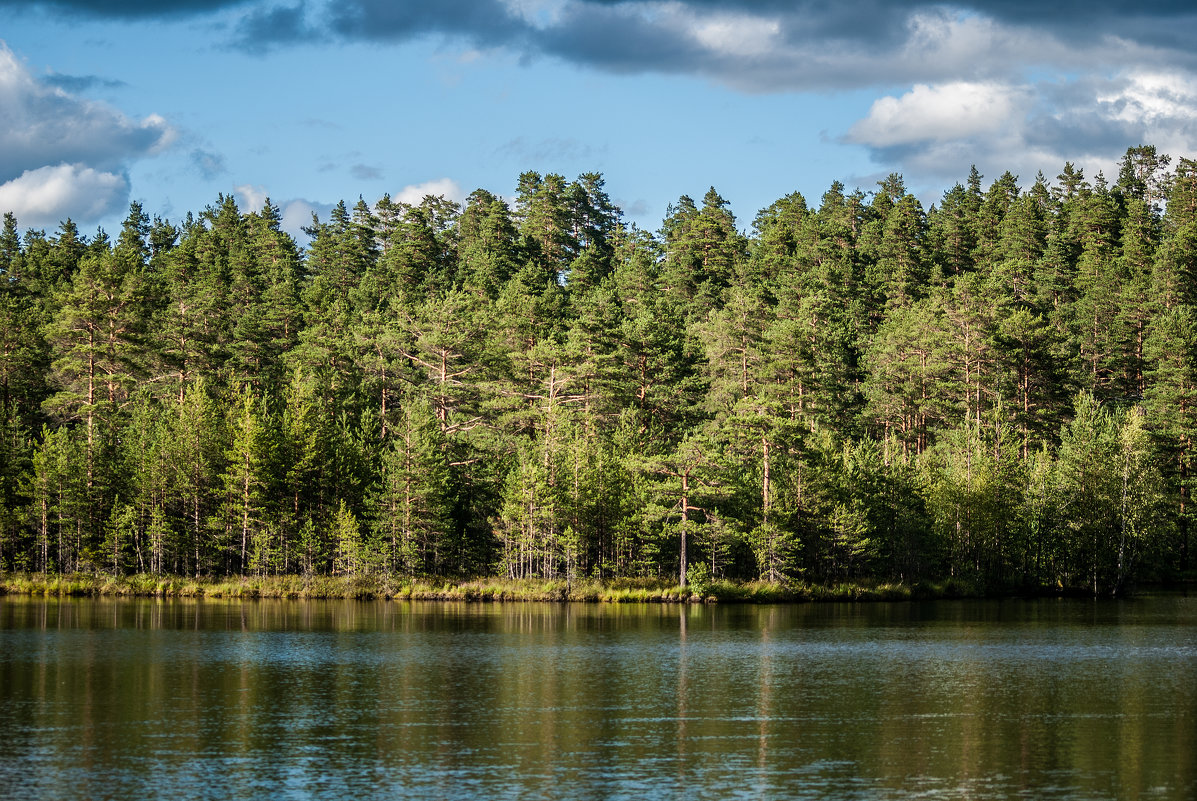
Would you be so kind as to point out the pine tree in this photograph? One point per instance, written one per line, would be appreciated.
(444, 340)
(351, 557)
(527, 524)
(595, 221)
(96, 359)
(278, 312)
(1098, 286)
(545, 222)
(412, 502)
(61, 504)
(486, 244)
(909, 374)
(901, 269)
(147, 462)
(306, 447)
(199, 441)
(337, 259)
(953, 233)
(24, 357)
(249, 479)
(188, 331)
(702, 249)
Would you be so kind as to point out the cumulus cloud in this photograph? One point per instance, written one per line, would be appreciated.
(441, 187)
(934, 131)
(250, 197)
(297, 215)
(1154, 99)
(758, 45)
(1017, 83)
(46, 125)
(1024, 81)
(58, 148)
(762, 45)
(738, 34)
(950, 111)
(43, 197)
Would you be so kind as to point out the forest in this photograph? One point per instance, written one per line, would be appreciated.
(1000, 388)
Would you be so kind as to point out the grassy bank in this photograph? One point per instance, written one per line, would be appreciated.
(493, 589)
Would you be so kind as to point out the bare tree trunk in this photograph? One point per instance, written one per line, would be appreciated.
(685, 527)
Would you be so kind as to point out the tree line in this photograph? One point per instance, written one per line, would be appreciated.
(1000, 388)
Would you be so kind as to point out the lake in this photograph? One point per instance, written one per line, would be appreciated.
(184, 699)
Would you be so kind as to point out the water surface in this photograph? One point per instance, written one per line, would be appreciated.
(136, 698)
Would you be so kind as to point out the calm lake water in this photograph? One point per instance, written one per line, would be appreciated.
(135, 698)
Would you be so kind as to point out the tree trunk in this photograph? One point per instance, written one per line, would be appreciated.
(685, 527)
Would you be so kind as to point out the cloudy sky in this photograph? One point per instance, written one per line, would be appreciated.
(171, 102)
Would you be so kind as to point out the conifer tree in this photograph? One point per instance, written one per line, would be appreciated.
(198, 440)
(412, 502)
(146, 455)
(486, 244)
(97, 357)
(544, 219)
(249, 479)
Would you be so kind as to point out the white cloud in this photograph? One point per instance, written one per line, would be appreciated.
(59, 147)
(737, 35)
(43, 197)
(447, 187)
(1158, 108)
(250, 197)
(813, 46)
(43, 125)
(936, 131)
(1152, 98)
(941, 44)
(940, 113)
(297, 215)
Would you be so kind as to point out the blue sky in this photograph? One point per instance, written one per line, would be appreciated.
(309, 102)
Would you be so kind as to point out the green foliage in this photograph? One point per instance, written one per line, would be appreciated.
(866, 395)
(1105, 468)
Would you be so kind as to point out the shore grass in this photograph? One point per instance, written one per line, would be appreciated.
(483, 589)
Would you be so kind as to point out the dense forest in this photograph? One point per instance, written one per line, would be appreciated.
(1000, 388)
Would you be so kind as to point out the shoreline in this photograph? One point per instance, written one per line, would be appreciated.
(493, 589)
